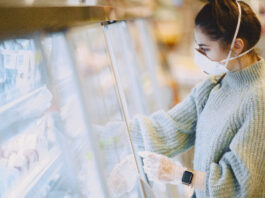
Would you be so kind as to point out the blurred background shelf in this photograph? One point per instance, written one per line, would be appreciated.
(39, 175)
(21, 20)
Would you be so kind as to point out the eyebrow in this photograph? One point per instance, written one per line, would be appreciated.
(201, 45)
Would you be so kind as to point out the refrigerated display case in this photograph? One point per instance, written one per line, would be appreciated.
(66, 99)
(130, 73)
(106, 110)
(78, 144)
(135, 60)
(46, 149)
(32, 163)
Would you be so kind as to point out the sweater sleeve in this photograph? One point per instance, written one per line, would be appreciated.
(241, 171)
(170, 133)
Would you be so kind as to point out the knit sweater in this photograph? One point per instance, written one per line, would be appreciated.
(224, 119)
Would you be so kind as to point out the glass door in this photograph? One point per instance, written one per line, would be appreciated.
(145, 49)
(125, 61)
(78, 141)
(32, 163)
(102, 100)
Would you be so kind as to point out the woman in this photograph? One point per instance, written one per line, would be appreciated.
(224, 117)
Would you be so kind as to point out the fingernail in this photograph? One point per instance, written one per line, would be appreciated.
(142, 154)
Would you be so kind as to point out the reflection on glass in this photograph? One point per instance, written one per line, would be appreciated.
(133, 57)
(99, 86)
(75, 131)
(19, 68)
(124, 58)
(28, 149)
(138, 34)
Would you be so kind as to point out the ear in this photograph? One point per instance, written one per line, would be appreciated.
(239, 46)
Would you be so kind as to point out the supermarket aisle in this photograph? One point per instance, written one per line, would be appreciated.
(68, 89)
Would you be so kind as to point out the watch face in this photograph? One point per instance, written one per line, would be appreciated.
(187, 177)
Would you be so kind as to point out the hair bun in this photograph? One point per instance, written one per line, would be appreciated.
(224, 2)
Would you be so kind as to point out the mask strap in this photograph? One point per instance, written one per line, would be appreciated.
(244, 53)
(236, 33)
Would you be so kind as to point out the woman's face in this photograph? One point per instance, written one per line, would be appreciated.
(212, 49)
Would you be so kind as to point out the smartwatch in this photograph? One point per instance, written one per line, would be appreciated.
(187, 177)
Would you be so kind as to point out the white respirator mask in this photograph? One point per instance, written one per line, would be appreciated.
(213, 67)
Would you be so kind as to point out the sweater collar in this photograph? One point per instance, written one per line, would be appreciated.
(245, 76)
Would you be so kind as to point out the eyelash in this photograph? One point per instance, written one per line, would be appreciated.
(204, 50)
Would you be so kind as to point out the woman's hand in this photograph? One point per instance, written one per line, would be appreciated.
(123, 177)
(161, 168)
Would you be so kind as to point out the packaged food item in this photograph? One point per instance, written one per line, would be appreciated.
(18, 161)
(32, 156)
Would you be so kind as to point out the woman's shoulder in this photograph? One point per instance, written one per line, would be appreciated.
(254, 97)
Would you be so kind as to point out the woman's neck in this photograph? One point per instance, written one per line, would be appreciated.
(242, 62)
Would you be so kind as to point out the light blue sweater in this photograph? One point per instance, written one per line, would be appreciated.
(224, 118)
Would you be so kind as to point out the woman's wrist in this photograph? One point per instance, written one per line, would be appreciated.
(179, 172)
(198, 179)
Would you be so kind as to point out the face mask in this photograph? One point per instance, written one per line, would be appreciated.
(213, 67)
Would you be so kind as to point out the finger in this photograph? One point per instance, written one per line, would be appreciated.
(152, 177)
(152, 157)
(152, 165)
(151, 172)
(151, 169)
(144, 154)
(147, 154)
(148, 161)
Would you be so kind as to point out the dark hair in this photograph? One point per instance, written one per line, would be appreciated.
(218, 19)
